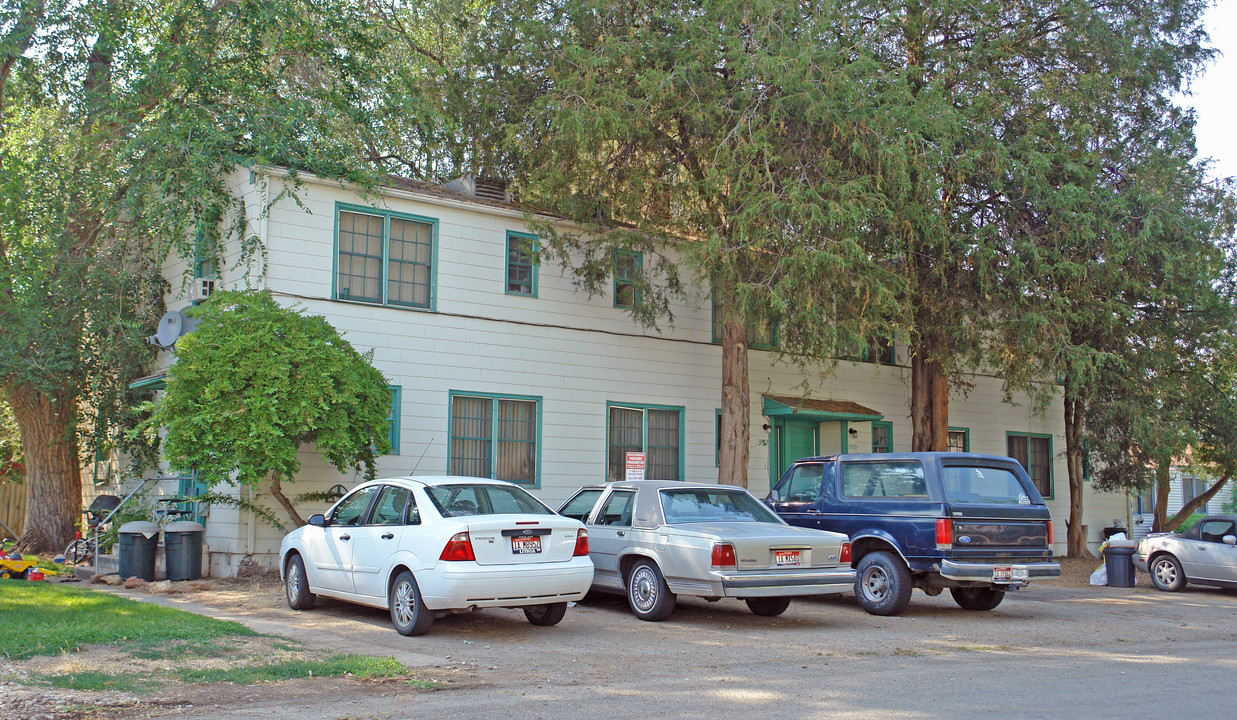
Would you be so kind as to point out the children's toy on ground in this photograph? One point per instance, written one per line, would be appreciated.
(12, 566)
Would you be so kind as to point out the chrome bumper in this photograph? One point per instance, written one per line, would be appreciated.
(821, 582)
(1020, 573)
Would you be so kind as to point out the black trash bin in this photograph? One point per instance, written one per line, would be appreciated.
(183, 550)
(1119, 562)
(138, 541)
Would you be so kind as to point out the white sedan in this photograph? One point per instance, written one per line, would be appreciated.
(419, 545)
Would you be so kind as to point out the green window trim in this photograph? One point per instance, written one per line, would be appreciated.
(521, 268)
(491, 436)
(717, 449)
(381, 256)
(393, 420)
(888, 428)
(757, 338)
(627, 267)
(966, 438)
(1048, 481)
(644, 445)
(875, 350)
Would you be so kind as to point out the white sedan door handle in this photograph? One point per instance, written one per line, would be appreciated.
(388, 536)
(345, 537)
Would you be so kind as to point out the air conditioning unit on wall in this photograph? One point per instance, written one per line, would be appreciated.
(200, 289)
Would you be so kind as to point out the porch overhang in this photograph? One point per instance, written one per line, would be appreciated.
(786, 406)
(157, 381)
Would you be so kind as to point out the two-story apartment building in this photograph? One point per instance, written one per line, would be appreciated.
(498, 367)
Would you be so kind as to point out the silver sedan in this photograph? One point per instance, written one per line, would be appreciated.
(1205, 554)
(653, 540)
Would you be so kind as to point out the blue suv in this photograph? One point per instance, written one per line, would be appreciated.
(972, 523)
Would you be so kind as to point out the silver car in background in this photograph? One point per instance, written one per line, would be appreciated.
(654, 539)
(1205, 554)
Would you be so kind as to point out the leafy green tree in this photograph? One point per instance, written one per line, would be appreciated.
(120, 123)
(723, 136)
(1116, 234)
(1171, 402)
(11, 467)
(254, 382)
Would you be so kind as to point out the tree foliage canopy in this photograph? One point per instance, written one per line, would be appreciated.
(255, 381)
(121, 122)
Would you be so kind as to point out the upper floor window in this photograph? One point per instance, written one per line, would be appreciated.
(521, 264)
(1035, 454)
(874, 350)
(959, 440)
(760, 334)
(384, 258)
(627, 264)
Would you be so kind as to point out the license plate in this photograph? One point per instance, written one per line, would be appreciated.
(1002, 573)
(525, 545)
(786, 558)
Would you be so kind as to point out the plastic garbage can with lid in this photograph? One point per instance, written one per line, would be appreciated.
(1119, 562)
(138, 541)
(183, 550)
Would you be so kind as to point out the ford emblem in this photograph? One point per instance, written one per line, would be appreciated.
(528, 532)
(964, 539)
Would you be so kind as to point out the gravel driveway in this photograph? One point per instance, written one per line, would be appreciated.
(1057, 649)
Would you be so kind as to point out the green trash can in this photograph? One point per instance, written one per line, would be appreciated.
(182, 551)
(138, 541)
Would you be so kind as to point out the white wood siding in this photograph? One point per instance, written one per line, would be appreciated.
(573, 352)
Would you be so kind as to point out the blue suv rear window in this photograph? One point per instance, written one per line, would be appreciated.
(983, 485)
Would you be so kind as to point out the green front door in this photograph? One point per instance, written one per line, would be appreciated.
(795, 440)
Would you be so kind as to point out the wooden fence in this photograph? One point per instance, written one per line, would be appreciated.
(12, 508)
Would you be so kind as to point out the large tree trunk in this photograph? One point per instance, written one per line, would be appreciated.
(277, 493)
(53, 474)
(736, 406)
(929, 399)
(1188, 509)
(1076, 536)
(1161, 497)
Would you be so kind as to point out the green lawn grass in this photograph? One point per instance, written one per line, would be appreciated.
(55, 618)
(60, 618)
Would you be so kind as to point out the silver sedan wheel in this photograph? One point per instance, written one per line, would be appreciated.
(644, 588)
(875, 583)
(405, 602)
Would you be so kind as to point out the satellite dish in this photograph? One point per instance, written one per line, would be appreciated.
(172, 326)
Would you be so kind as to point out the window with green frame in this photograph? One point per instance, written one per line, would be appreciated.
(627, 264)
(762, 335)
(654, 430)
(874, 350)
(521, 264)
(495, 436)
(717, 449)
(1034, 451)
(393, 419)
(882, 437)
(959, 440)
(384, 258)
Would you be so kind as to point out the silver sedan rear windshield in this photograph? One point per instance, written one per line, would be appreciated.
(700, 505)
(461, 500)
(983, 485)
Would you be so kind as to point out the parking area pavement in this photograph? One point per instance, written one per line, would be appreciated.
(1048, 651)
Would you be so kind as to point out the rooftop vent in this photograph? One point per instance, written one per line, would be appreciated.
(484, 188)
